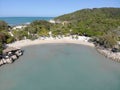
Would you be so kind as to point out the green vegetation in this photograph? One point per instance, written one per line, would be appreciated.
(37, 29)
(96, 22)
(93, 22)
(101, 23)
(19, 34)
(4, 35)
(1, 48)
(107, 40)
(3, 26)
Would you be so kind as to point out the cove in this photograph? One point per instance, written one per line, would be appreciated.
(60, 67)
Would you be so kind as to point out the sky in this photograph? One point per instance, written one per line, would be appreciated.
(52, 8)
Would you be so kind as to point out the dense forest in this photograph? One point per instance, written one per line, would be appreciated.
(102, 24)
(93, 22)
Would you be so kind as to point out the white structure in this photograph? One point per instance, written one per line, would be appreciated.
(52, 21)
(19, 27)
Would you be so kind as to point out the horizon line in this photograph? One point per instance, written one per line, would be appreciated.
(28, 16)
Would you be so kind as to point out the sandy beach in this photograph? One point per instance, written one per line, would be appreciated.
(81, 40)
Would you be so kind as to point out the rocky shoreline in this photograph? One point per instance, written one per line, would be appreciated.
(115, 56)
(10, 54)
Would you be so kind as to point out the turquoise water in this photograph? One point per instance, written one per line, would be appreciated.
(60, 67)
(22, 20)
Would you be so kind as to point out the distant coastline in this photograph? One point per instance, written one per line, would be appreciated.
(14, 21)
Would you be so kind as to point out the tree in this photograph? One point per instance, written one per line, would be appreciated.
(43, 32)
(2, 37)
(3, 25)
(18, 35)
(1, 47)
(92, 22)
(107, 41)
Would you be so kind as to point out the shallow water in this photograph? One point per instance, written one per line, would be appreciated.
(60, 67)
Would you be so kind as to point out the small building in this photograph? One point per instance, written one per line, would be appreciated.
(52, 21)
(19, 27)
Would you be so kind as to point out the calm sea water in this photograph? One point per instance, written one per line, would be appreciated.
(22, 20)
(60, 67)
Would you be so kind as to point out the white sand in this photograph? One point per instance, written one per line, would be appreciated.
(81, 40)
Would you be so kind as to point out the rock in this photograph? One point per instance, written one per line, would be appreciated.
(13, 57)
(9, 61)
(1, 62)
(115, 56)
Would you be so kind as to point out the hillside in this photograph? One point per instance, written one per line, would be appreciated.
(103, 24)
(84, 14)
(93, 22)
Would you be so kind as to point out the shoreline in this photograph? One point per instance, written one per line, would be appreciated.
(82, 40)
(109, 54)
(23, 43)
(13, 50)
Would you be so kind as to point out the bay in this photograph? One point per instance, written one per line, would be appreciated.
(60, 67)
